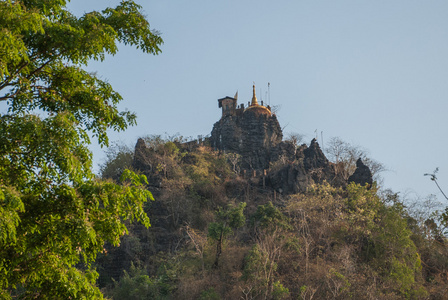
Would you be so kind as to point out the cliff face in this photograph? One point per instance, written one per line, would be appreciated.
(295, 173)
(252, 135)
(257, 137)
(255, 134)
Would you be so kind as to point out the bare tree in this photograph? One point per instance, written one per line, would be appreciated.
(295, 138)
(234, 159)
(199, 242)
(307, 292)
(345, 155)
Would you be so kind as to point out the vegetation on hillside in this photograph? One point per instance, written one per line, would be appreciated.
(217, 235)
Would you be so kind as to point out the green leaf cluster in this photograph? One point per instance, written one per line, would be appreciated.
(268, 217)
(54, 214)
(227, 219)
(138, 285)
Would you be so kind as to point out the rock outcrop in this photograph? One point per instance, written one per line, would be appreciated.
(256, 135)
(253, 135)
(308, 166)
(362, 174)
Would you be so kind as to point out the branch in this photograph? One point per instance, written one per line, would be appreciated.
(10, 96)
(441, 190)
(41, 67)
(6, 82)
(434, 178)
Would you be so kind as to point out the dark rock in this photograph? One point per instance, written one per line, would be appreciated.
(290, 179)
(283, 151)
(362, 174)
(143, 162)
(256, 135)
(141, 156)
(252, 135)
(314, 157)
(308, 165)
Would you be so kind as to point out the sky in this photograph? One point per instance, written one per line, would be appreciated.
(373, 73)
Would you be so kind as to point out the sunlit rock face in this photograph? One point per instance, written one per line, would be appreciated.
(256, 135)
(253, 135)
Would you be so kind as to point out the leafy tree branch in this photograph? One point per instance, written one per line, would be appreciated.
(55, 216)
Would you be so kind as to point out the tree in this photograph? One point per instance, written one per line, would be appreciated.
(345, 155)
(235, 160)
(54, 214)
(227, 219)
(296, 138)
(119, 157)
(138, 285)
(269, 227)
(385, 237)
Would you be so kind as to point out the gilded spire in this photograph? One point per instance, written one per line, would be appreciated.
(254, 98)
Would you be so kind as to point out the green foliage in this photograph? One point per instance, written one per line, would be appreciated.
(335, 243)
(363, 207)
(227, 219)
(209, 294)
(207, 172)
(118, 158)
(305, 293)
(218, 230)
(259, 267)
(11, 206)
(255, 264)
(388, 246)
(270, 234)
(54, 214)
(394, 251)
(337, 283)
(279, 291)
(269, 216)
(137, 285)
(355, 227)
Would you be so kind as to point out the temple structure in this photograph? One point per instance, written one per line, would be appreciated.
(252, 132)
(255, 134)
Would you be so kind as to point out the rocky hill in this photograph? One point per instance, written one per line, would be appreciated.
(255, 134)
(247, 215)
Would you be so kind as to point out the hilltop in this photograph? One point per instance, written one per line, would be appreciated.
(245, 214)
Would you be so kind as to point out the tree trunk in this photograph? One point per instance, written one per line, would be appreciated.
(218, 252)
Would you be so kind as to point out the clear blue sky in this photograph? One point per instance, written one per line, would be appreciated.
(374, 73)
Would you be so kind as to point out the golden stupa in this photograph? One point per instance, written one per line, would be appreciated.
(255, 107)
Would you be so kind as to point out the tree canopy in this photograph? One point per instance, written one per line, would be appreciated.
(54, 214)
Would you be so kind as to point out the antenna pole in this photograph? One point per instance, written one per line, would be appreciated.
(322, 138)
(269, 93)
